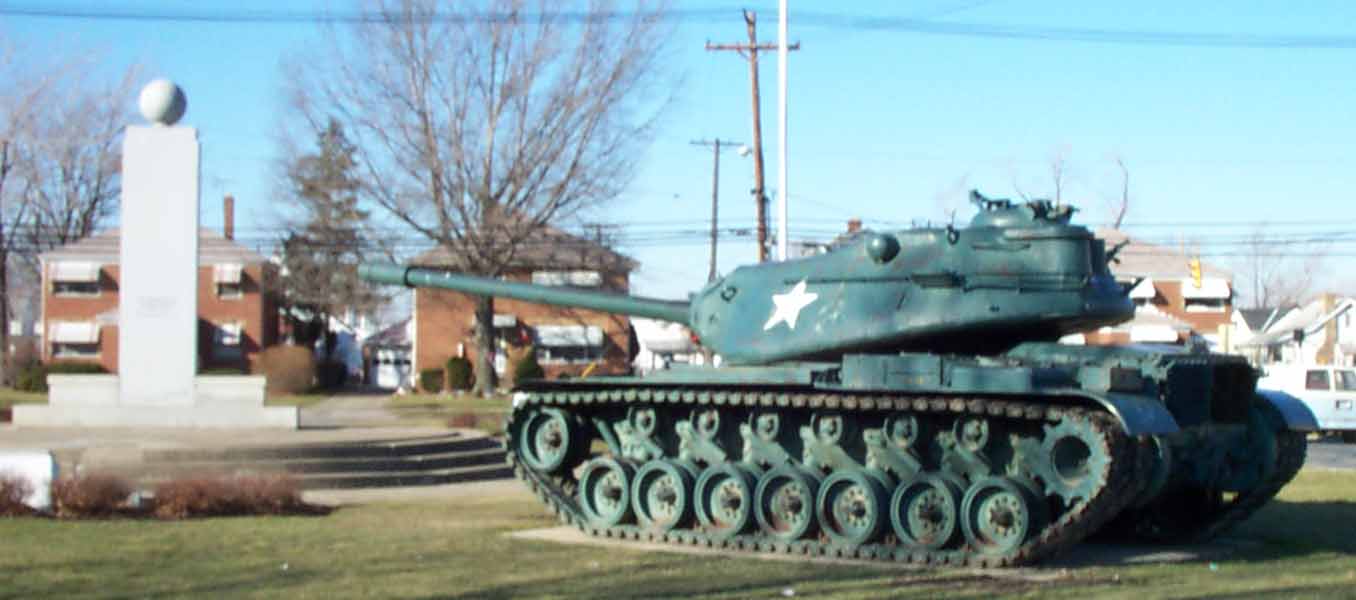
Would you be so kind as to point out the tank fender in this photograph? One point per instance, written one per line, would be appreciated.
(1296, 413)
(1138, 415)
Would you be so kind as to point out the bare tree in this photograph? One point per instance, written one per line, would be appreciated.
(59, 130)
(1277, 276)
(1123, 204)
(476, 124)
(1059, 172)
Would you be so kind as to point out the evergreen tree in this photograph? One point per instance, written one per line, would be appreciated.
(325, 241)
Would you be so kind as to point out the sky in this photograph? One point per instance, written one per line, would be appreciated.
(1231, 118)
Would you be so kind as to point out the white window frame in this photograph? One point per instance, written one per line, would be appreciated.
(581, 278)
(76, 289)
(591, 339)
(1205, 305)
(74, 279)
(229, 279)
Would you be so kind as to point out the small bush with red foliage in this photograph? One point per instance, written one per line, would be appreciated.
(196, 497)
(463, 420)
(6, 414)
(13, 490)
(91, 496)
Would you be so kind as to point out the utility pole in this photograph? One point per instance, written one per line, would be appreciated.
(750, 52)
(783, 188)
(715, 193)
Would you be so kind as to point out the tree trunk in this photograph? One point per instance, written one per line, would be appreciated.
(486, 379)
(5, 370)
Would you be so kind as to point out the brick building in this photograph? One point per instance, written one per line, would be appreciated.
(567, 341)
(237, 317)
(1177, 297)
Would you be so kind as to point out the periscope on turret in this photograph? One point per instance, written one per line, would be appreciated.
(902, 397)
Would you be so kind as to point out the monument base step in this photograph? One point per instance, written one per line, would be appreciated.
(285, 417)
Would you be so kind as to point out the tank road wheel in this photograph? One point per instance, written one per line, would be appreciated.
(925, 511)
(661, 494)
(725, 499)
(548, 441)
(999, 514)
(851, 507)
(785, 506)
(605, 491)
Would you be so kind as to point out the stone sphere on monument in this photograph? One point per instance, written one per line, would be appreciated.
(162, 102)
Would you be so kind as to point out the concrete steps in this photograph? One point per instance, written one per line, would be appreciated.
(430, 460)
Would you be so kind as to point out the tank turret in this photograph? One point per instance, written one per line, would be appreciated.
(1018, 273)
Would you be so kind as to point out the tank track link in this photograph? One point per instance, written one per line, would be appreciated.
(1123, 475)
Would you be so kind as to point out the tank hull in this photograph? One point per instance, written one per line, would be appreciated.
(954, 460)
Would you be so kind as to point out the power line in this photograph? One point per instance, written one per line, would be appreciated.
(889, 24)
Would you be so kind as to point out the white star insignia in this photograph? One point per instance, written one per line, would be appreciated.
(789, 305)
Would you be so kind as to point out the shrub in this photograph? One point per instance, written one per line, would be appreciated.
(287, 369)
(31, 379)
(76, 368)
(463, 420)
(331, 374)
(527, 368)
(89, 496)
(431, 380)
(458, 373)
(230, 496)
(13, 490)
(222, 371)
(6, 414)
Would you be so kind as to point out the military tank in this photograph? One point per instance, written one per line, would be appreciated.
(902, 397)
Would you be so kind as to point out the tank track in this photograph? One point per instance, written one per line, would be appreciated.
(1218, 516)
(1122, 475)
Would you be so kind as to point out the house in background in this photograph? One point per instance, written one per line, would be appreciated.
(387, 360)
(567, 341)
(663, 345)
(1177, 298)
(1318, 333)
(237, 316)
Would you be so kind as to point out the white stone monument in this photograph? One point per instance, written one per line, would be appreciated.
(158, 287)
(157, 384)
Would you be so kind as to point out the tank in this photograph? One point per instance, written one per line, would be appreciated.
(903, 397)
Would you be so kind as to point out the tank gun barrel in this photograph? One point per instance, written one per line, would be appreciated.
(412, 276)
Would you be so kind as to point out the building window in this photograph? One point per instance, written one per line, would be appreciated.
(1205, 304)
(1317, 380)
(227, 278)
(74, 339)
(569, 344)
(226, 341)
(64, 350)
(1210, 294)
(570, 278)
(75, 279)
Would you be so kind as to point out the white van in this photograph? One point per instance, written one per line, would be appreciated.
(1330, 392)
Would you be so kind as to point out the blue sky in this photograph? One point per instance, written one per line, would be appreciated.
(890, 126)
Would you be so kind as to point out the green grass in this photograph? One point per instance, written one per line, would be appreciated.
(10, 397)
(442, 409)
(467, 402)
(298, 400)
(1301, 545)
